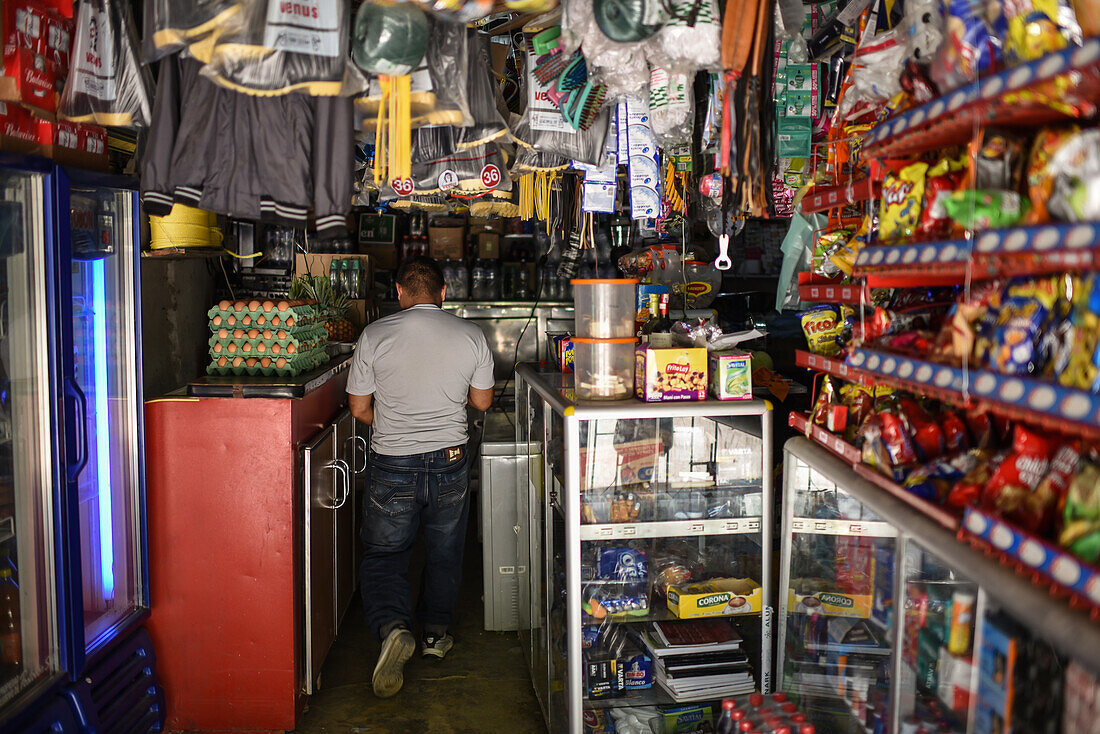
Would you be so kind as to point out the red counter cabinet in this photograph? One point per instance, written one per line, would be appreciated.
(252, 516)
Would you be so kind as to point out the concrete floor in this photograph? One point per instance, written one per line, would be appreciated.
(483, 685)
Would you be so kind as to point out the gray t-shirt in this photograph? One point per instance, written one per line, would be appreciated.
(420, 364)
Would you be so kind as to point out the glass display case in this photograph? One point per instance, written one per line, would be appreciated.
(641, 540)
(888, 623)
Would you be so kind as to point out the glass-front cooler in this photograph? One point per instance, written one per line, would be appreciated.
(651, 537)
(29, 627)
(98, 237)
(889, 624)
(836, 604)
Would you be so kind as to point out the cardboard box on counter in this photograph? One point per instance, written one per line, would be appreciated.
(488, 245)
(731, 375)
(678, 373)
(446, 243)
(715, 598)
(75, 144)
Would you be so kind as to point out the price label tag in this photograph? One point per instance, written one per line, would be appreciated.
(403, 186)
(490, 176)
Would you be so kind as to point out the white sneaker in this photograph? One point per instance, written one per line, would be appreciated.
(389, 676)
(436, 647)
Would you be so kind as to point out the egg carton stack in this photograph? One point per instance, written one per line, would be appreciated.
(284, 338)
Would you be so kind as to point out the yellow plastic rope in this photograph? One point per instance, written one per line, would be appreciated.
(401, 129)
(380, 133)
(527, 196)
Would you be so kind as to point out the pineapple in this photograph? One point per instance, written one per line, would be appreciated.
(332, 306)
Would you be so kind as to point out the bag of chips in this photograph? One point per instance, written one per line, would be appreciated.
(1037, 28)
(902, 195)
(1081, 517)
(1020, 472)
(980, 210)
(822, 326)
(943, 179)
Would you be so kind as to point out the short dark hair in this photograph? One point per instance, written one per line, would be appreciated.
(420, 276)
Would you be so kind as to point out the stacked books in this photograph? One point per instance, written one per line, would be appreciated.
(697, 659)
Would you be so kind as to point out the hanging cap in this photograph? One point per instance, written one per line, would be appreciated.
(623, 20)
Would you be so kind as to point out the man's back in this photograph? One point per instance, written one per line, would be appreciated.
(419, 364)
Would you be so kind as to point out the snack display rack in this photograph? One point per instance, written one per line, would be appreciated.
(854, 663)
(659, 483)
(999, 99)
(1061, 86)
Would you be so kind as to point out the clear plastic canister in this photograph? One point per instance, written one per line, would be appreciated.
(604, 308)
(603, 368)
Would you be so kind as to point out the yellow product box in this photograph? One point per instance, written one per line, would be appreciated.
(715, 598)
(731, 375)
(679, 373)
(832, 603)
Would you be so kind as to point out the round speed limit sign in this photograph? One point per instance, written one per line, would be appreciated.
(490, 176)
(403, 186)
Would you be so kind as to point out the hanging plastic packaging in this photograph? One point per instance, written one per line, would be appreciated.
(173, 25)
(972, 43)
(691, 39)
(107, 85)
(875, 74)
(275, 47)
(620, 66)
(389, 39)
(797, 252)
(477, 170)
(459, 12)
(483, 97)
(672, 114)
(438, 86)
(544, 127)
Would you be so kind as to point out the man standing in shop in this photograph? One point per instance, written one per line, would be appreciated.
(412, 376)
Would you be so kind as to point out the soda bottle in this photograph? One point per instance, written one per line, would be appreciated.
(11, 647)
(726, 724)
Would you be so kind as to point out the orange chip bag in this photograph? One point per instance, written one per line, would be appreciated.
(1040, 181)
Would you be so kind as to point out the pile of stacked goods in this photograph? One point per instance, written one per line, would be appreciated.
(284, 338)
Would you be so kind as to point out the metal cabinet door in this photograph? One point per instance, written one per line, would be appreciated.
(351, 457)
(323, 484)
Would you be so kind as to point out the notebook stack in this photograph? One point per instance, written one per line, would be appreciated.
(698, 659)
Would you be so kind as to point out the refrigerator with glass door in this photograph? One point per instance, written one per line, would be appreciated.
(32, 583)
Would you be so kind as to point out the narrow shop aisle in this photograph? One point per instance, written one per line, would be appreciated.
(482, 686)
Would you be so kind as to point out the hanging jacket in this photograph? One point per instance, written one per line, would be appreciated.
(263, 158)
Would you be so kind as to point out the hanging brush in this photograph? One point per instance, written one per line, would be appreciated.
(574, 75)
(550, 61)
(583, 105)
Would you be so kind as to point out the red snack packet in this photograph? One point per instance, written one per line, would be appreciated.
(934, 222)
(955, 437)
(896, 439)
(926, 433)
(1020, 472)
(1037, 510)
(968, 490)
(981, 429)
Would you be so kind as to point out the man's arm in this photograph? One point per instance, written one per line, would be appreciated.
(362, 407)
(480, 398)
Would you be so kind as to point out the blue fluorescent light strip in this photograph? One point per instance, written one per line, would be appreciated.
(102, 426)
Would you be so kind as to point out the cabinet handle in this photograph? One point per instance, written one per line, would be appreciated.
(366, 452)
(342, 466)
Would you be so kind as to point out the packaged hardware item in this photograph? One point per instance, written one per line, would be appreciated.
(714, 598)
(731, 375)
(679, 373)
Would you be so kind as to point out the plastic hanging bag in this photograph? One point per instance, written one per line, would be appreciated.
(275, 47)
(477, 170)
(438, 87)
(107, 85)
(173, 25)
(620, 66)
(482, 96)
(671, 112)
(797, 249)
(691, 39)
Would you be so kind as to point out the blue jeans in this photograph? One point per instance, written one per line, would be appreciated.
(429, 491)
